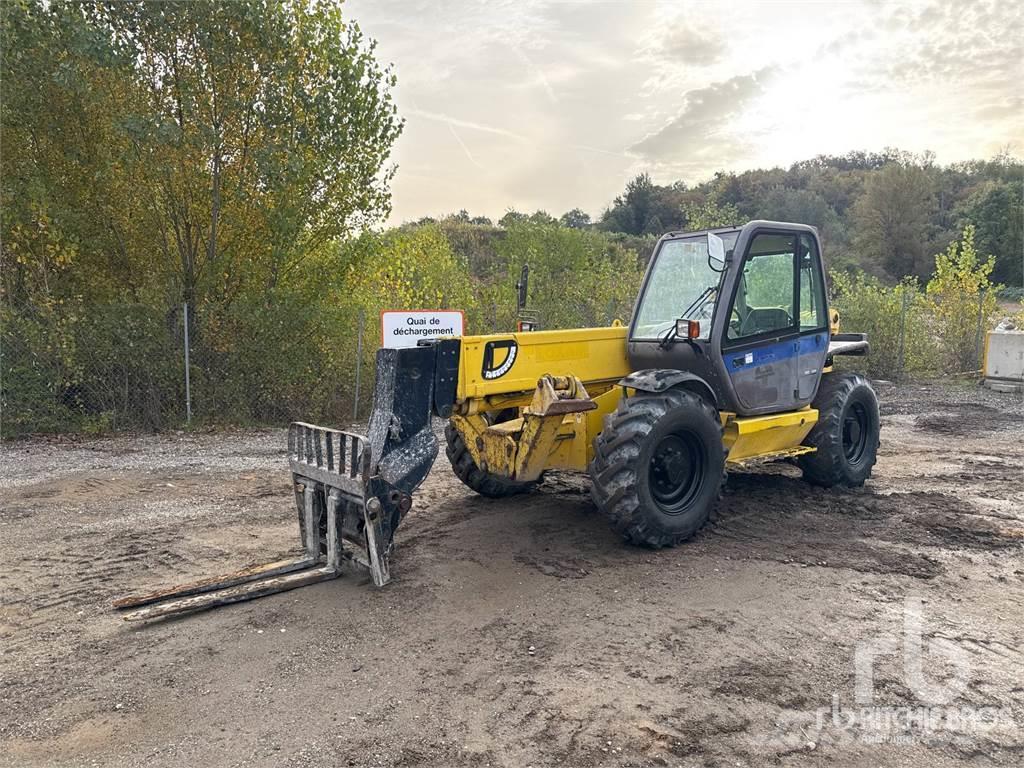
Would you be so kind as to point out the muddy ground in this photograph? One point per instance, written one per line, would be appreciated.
(722, 652)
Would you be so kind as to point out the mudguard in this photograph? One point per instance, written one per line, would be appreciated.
(660, 379)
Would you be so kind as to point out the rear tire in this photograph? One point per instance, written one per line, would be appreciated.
(485, 483)
(658, 467)
(847, 433)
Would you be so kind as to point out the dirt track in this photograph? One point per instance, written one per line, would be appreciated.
(716, 653)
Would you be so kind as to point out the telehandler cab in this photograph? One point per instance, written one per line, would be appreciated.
(728, 359)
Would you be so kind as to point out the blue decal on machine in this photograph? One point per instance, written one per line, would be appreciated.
(775, 353)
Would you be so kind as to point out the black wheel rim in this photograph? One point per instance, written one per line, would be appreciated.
(676, 472)
(855, 433)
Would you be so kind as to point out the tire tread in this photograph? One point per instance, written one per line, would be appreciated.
(614, 469)
(827, 467)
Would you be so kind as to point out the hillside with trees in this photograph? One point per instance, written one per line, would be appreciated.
(233, 157)
(887, 213)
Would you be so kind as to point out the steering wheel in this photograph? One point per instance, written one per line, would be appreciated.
(736, 322)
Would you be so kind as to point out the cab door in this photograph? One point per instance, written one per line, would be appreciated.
(761, 339)
(814, 327)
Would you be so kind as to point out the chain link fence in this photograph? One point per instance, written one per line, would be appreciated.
(114, 367)
(126, 366)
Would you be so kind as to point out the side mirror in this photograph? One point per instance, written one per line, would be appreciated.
(521, 287)
(716, 248)
(687, 329)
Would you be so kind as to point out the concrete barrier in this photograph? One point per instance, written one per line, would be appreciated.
(1004, 361)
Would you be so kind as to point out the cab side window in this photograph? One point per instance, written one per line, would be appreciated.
(813, 314)
(765, 300)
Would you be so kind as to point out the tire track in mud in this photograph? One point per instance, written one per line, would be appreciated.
(773, 516)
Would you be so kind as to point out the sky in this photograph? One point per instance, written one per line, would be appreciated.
(531, 105)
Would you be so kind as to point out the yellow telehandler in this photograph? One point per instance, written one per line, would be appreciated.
(728, 359)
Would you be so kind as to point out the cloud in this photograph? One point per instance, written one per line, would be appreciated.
(967, 44)
(686, 45)
(702, 122)
(960, 62)
(1012, 107)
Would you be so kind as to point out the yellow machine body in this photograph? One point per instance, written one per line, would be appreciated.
(562, 385)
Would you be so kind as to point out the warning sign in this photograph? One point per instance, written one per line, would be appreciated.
(406, 327)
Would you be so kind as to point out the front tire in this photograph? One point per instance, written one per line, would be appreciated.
(847, 433)
(658, 467)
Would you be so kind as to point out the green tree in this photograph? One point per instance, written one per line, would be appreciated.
(644, 208)
(997, 213)
(803, 206)
(71, 221)
(542, 217)
(240, 145)
(575, 219)
(511, 218)
(709, 214)
(964, 302)
(891, 220)
(155, 152)
(407, 269)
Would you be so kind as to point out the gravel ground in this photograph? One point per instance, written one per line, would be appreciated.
(522, 632)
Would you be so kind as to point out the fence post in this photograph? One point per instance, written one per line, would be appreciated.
(188, 382)
(977, 333)
(900, 360)
(359, 363)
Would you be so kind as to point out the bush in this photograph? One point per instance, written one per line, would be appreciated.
(963, 303)
(33, 351)
(274, 359)
(896, 320)
(408, 268)
(578, 278)
(915, 333)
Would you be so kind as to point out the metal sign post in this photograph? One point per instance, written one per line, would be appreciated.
(188, 383)
(359, 364)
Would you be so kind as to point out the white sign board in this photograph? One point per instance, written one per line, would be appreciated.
(406, 327)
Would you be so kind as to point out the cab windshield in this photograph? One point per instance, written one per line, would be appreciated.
(681, 281)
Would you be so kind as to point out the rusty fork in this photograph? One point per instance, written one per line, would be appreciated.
(326, 464)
